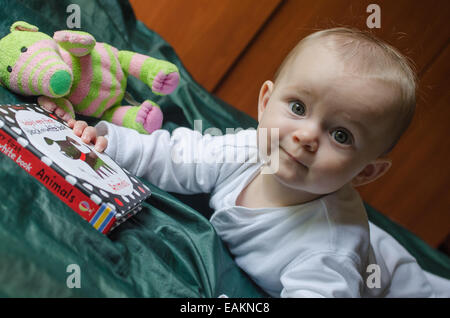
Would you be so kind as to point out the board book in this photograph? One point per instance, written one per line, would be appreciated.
(89, 182)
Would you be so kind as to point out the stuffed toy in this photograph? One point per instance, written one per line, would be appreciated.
(72, 73)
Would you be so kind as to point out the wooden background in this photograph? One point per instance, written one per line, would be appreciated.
(232, 46)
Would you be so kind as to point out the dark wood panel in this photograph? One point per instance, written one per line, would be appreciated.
(417, 28)
(207, 35)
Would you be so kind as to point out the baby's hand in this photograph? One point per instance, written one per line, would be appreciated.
(88, 134)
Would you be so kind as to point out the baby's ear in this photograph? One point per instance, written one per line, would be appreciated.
(264, 96)
(372, 171)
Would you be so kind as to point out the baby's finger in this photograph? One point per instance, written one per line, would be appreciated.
(101, 144)
(89, 134)
(79, 127)
(62, 114)
(71, 123)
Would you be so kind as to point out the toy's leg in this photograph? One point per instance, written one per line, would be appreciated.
(145, 118)
(62, 107)
(160, 75)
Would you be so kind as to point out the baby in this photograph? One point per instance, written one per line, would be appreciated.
(337, 106)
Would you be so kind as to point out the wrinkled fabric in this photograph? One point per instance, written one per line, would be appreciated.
(169, 249)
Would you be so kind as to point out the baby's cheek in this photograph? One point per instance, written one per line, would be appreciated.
(333, 174)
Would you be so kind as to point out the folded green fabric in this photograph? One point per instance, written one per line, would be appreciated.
(169, 249)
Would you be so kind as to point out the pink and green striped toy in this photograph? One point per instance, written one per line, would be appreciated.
(72, 73)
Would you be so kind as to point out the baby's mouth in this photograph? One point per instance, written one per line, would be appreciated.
(293, 158)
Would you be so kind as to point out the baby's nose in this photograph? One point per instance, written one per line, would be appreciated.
(308, 139)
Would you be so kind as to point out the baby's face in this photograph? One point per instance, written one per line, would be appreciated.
(331, 123)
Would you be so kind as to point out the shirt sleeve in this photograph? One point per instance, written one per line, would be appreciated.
(322, 274)
(185, 162)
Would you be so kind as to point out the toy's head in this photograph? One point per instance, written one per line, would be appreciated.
(30, 63)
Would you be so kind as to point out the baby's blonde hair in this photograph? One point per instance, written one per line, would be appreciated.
(370, 57)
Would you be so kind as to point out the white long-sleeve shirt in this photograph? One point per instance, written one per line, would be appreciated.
(323, 248)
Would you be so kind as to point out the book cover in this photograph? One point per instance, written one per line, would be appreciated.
(89, 182)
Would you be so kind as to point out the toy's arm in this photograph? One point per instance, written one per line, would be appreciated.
(160, 75)
(77, 43)
(61, 106)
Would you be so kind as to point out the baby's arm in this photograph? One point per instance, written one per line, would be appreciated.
(322, 274)
(164, 158)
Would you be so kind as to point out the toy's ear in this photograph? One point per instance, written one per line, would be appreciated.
(23, 26)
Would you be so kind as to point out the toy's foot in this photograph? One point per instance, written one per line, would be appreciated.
(165, 84)
(150, 116)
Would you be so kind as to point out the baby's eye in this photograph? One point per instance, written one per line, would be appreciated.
(298, 108)
(342, 136)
